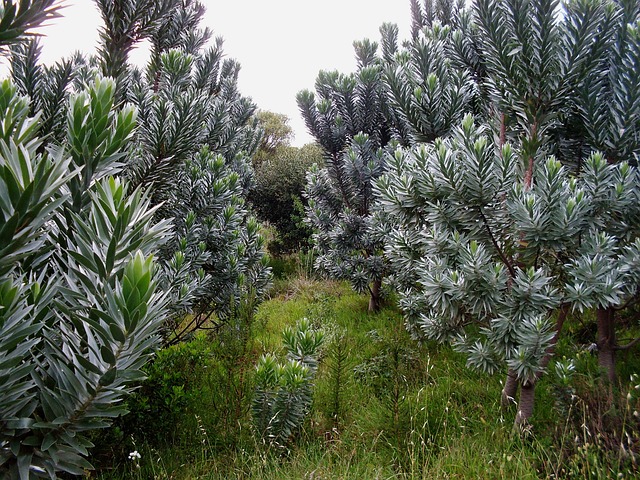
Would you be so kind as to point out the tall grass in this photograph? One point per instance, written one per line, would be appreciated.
(395, 409)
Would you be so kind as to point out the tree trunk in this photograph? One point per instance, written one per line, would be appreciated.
(510, 390)
(607, 342)
(525, 405)
(374, 297)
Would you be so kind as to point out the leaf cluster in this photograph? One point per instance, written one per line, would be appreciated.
(284, 389)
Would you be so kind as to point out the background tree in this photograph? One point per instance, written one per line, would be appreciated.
(277, 134)
(280, 175)
(277, 195)
(350, 123)
(344, 232)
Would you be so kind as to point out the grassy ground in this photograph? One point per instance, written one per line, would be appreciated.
(384, 407)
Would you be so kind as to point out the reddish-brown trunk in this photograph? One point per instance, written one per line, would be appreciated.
(374, 297)
(525, 405)
(509, 390)
(607, 342)
(528, 175)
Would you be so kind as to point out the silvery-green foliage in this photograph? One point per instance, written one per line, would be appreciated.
(80, 310)
(302, 344)
(353, 121)
(339, 212)
(124, 24)
(192, 150)
(284, 390)
(216, 252)
(189, 111)
(536, 55)
(486, 251)
(608, 99)
(443, 11)
(428, 90)
(47, 86)
(20, 17)
(602, 272)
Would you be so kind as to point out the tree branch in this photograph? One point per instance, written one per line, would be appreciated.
(501, 254)
(630, 301)
(629, 345)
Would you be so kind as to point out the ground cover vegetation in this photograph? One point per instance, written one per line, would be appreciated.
(476, 185)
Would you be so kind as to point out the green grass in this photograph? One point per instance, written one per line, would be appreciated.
(399, 411)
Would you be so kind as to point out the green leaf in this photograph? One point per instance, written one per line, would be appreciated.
(107, 355)
(108, 378)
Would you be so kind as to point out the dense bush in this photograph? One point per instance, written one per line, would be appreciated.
(163, 407)
(80, 309)
(277, 195)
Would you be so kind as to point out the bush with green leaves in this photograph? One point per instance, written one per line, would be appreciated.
(501, 257)
(201, 384)
(172, 392)
(81, 310)
(428, 91)
(490, 195)
(277, 195)
(191, 150)
(344, 227)
(284, 392)
(351, 119)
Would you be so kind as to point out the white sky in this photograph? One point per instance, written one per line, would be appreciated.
(281, 44)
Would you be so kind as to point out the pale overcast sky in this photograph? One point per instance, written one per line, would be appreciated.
(281, 44)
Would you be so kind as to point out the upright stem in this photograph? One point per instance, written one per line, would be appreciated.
(607, 342)
(525, 406)
(374, 297)
(510, 389)
(528, 175)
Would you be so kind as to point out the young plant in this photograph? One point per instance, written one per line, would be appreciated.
(349, 119)
(284, 389)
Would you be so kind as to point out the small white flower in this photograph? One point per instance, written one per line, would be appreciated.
(134, 455)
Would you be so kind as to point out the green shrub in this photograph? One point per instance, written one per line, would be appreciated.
(173, 387)
(200, 385)
(277, 195)
(284, 389)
